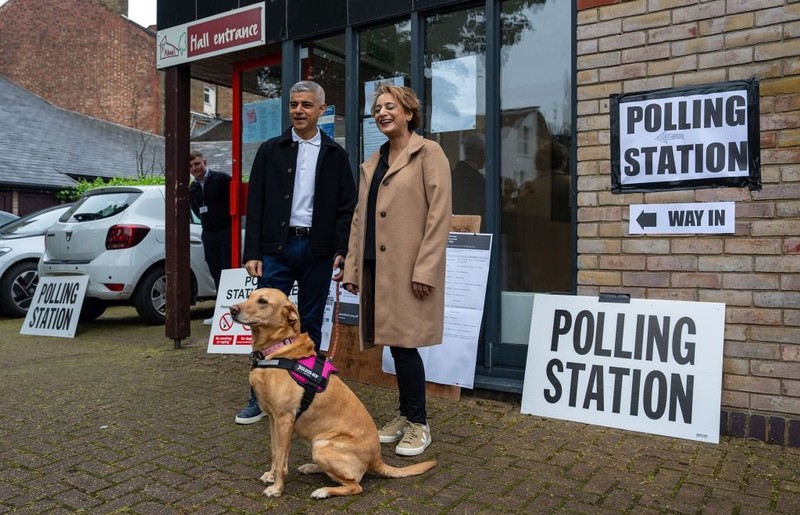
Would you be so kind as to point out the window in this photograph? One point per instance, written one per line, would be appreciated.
(455, 110)
(323, 62)
(384, 55)
(209, 100)
(536, 114)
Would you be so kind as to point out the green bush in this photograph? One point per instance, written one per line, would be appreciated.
(74, 193)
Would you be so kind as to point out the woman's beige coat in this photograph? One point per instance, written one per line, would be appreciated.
(412, 223)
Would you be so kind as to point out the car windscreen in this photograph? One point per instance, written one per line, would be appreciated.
(97, 207)
(35, 223)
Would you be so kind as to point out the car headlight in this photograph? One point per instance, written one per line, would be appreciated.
(4, 250)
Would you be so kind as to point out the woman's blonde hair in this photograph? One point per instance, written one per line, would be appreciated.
(405, 97)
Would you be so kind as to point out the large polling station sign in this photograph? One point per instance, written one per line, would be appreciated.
(56, 306)
(233, 30)
(653, 366)
(686, 138)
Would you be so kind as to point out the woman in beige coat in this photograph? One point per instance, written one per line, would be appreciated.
(396, 255)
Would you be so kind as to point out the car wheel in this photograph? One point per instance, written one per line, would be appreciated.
(150, 299)
(17, 288)
(92, 309)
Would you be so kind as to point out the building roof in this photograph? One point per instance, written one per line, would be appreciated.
(45, 147)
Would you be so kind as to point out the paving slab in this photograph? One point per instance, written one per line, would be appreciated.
(117, 421)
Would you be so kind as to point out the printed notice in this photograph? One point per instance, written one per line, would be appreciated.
(453, 362)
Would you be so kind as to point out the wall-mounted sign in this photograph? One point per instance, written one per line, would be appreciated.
(653, 366)
(691, 218)
(686, 138)
(220, 34)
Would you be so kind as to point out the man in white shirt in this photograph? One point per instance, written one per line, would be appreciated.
(300, 203)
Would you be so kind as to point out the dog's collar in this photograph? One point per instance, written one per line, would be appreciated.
(261, 354)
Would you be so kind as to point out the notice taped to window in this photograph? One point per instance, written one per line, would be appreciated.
(652, 366)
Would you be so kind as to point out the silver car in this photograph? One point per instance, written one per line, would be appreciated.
(116, 236)
(21, 246)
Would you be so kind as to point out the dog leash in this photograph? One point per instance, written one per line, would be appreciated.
(335, 341)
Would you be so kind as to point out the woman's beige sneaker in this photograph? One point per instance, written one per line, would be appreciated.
(393, 430)
(415, 441)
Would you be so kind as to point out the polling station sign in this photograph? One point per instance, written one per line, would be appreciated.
(56, 306)
(229, 337)
(652, 366)
(686, 138)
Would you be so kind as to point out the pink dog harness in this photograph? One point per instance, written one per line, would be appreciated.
(312, 373)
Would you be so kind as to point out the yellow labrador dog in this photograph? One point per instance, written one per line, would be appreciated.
(343, 437)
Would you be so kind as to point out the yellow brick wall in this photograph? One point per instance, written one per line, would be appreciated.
(639, 45)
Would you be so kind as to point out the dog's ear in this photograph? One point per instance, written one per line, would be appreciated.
(292, 317)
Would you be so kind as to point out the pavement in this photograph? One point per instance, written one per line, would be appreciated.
(117, 421)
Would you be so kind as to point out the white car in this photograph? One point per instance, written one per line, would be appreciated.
(116, 236)
(21, 246)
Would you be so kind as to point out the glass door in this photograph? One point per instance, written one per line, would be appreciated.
(257, 117)
(535, 181)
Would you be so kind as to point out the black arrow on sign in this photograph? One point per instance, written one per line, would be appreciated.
(647, 219)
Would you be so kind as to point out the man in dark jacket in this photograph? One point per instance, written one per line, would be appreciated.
(299, 207)
(209, 198)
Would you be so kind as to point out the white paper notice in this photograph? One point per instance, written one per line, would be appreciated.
(454, 92)
(373, 137)
(453, 362)
(372, 85)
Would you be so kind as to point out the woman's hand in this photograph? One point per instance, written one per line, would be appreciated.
(421, 290)
(350, 287)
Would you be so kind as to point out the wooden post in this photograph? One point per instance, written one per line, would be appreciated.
(177, 203)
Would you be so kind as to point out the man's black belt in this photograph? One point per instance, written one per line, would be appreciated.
(300, 231)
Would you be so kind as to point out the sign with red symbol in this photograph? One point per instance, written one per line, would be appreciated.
(229, 337)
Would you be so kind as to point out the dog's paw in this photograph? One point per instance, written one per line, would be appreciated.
(320, 493)
(309, 468)
(268, 477)
(273, 491)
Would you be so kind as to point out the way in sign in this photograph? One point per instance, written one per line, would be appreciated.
(694, 217)
(716, 217)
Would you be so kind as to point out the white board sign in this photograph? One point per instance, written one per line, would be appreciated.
(689, 218)
(653, 366)
(467, 272)
(56, 306)
(228, 337)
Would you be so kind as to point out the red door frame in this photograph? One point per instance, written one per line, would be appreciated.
(238, 191)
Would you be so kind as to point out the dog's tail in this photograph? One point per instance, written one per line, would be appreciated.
(382, 469)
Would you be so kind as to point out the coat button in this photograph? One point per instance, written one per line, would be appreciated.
(289, 170)
(280, 247)
(286, 197)
(383, 214)
(383, 247)
(386, 182)
(283, 224)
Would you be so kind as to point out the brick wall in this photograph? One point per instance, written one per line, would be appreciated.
(224, 98)
(639, 45)
(79, 55)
